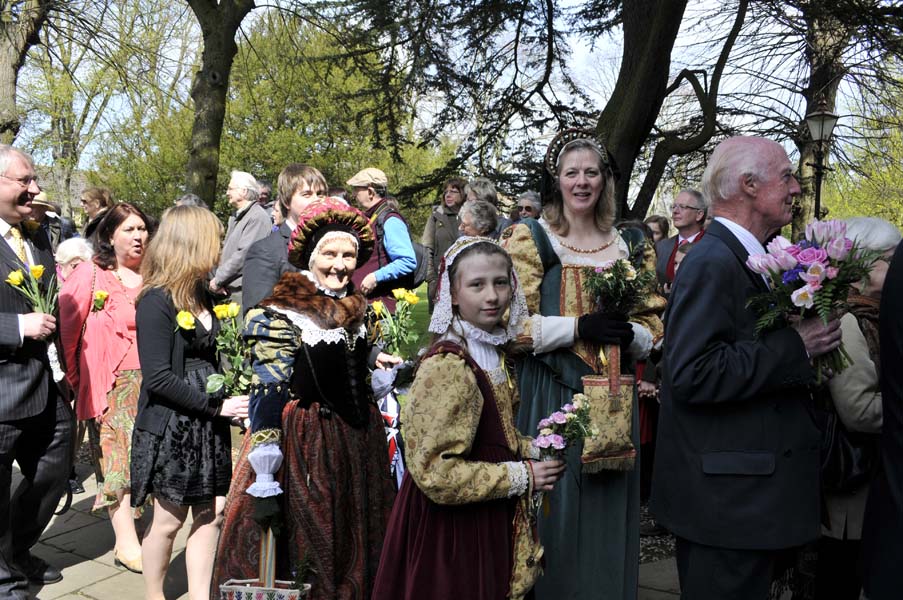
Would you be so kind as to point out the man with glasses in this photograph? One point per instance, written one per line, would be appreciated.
(688, 214)
(35, 422)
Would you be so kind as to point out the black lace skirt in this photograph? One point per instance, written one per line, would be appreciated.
(191, 463)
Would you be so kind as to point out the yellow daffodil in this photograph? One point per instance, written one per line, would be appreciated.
(15, 278)
(399, 293)
(411, 298)
(185, 319)
(100, 299)
(378, 308)
(37, 271)
(221, 311)
(233, 309)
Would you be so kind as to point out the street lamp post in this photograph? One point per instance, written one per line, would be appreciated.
(821, 124)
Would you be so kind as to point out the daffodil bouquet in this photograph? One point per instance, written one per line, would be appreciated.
(397, 330)
(236, 376)
(43, 300)
(617, 287)
(42, 297)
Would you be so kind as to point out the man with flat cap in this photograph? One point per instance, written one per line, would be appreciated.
(393, 256)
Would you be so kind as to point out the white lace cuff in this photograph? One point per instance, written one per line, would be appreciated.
(518, 479)
(641, 345)
(265, 459)
(551, 333)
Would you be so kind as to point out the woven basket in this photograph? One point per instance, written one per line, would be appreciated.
(250, 589)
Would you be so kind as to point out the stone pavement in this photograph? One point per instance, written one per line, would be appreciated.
(81, 544)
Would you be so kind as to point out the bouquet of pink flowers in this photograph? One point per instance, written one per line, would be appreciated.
(811, 277)
(563, 427)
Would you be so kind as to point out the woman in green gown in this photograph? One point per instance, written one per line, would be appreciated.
(590, 525)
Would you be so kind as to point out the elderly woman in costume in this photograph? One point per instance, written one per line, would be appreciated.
(312, 412)
(591, 528)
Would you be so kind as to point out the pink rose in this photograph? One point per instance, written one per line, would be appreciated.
(793, 250)
(568, 408)
(558, 417)
(831, 272)
(542, 441)
(557, 441)
(812, 255)
(543, 423)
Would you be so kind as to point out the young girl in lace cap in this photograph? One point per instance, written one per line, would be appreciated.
(461, 527)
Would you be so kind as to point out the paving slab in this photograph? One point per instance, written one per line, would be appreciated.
(78, 572)
(660, 576)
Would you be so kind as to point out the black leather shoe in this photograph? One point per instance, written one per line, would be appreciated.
(39, 571)
(76, 486)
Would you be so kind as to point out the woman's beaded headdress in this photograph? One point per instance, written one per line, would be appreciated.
(561, 142)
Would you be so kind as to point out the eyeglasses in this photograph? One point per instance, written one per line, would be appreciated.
(683, 207)
(25, 181)
(525, 207)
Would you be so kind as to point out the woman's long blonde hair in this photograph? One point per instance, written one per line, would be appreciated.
(181, 255)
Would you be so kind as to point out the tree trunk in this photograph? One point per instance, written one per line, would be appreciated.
(650, 29)
(209, 88)
(18, 32)
(826, 40)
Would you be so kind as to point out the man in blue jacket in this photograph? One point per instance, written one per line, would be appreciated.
(393, 256)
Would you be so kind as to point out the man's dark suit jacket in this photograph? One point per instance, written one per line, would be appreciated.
(663, 249)
(737, 461)
(882, 532)
(23, 368)
(265, 262)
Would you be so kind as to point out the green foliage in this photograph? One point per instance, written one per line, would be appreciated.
(295, 98)
(618, 287)
(230, 344)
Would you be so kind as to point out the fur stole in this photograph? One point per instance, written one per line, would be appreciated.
(296, 292)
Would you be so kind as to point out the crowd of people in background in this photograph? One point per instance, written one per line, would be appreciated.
(725, 419)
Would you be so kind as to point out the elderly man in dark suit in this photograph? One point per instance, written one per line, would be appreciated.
(298, 185)
(736, 474)
(35, 423)
(882, 531)
(688, 211)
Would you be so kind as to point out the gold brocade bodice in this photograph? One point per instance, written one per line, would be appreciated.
(575, 301)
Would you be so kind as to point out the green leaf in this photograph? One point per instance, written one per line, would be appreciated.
(215, 383)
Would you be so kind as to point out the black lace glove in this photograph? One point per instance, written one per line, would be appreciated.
(268, 514)
(601, 328)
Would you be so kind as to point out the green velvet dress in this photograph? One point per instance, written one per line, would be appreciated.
(590, 524)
